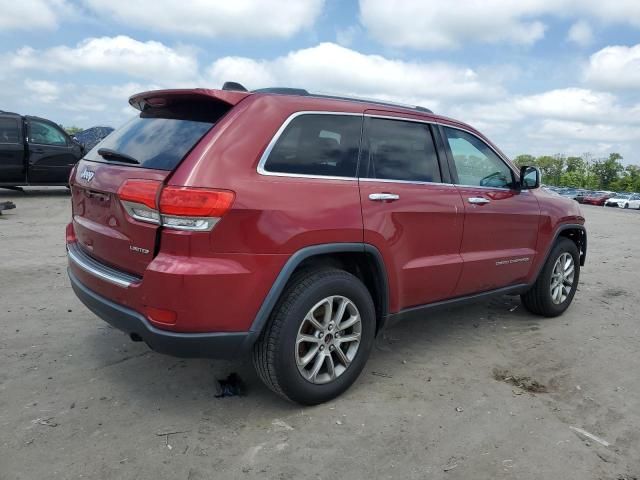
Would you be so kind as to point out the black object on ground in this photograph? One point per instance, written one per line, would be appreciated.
(231, 386)
(6, 206)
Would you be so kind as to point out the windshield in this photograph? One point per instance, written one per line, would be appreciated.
(159, 138)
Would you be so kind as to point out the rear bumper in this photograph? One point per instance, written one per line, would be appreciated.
(200, 345)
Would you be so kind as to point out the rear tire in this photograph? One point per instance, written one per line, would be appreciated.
(556, 284)
(306, 326)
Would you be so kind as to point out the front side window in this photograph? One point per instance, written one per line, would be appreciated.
(317, 144)
(9, 130)
(45, 134)
(476, 163)
(401, 150)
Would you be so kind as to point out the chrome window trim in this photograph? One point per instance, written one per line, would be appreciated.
(462, 185)
(410, 182)
(265, 155)
(89, 265)
(263, 158)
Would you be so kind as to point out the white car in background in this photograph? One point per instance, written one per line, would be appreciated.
(624, 201)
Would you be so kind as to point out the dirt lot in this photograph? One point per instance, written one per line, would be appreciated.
(445, 397)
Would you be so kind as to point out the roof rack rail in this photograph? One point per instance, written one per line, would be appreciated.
(283, 91)
(374, 101)
(304, 93)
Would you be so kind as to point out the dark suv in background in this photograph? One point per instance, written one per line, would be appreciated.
(294, 227)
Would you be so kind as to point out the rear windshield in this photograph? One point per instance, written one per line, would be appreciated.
(159, 138)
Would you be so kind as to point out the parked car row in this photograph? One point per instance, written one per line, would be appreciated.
(599, 197)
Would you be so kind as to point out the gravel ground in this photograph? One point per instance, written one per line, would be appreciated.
(482, 392)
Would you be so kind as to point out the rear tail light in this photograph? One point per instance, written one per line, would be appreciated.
(139, 198)
(186, 208)
(179, 208)
(70, 234)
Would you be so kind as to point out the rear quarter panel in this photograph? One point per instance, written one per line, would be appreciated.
(270, 214)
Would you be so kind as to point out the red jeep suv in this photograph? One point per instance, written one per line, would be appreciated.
(294, 226)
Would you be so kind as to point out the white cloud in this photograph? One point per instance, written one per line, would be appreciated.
(543, 123)
(569, 103)
(331, 68)
(590, 133)
(120, 54)
(615, 67)
(43, 90)
(345, 36)
(580, 33)
(568, 120)
(436, 25)
(32, 14)
(237, 18)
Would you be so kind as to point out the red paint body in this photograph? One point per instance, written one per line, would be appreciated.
(434, 244)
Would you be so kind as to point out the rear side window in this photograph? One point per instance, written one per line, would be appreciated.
(159, 138)
(318, 145)
(401, 150)
(9, 130)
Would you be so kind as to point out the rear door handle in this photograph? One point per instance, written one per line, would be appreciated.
(384, 197)
(478, 200)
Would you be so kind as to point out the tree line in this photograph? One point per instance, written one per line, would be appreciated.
(585, 172)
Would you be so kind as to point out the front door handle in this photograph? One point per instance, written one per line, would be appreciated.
(478, 200)
(384, 197)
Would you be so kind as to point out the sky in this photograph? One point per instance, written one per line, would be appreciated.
(536, 76)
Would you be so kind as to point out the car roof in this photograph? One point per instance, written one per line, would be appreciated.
(236, 93)
(9, 114)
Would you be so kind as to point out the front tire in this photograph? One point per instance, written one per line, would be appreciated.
(319, 337)
(556, 284)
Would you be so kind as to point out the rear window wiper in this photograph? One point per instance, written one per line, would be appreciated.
(109, 154)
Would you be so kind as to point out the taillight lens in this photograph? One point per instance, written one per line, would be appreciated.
(180, 208)
(195, 202)
(143, 192)
(188, 208)
(139, 198)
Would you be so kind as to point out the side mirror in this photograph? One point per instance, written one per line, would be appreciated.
(530, 177)
(75, 141)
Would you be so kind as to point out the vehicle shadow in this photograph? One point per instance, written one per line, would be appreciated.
(429, 340)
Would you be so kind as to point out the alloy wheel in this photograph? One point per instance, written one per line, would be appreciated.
(562, 277)
(328, 339)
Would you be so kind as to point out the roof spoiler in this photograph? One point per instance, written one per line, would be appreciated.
(163, 98)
